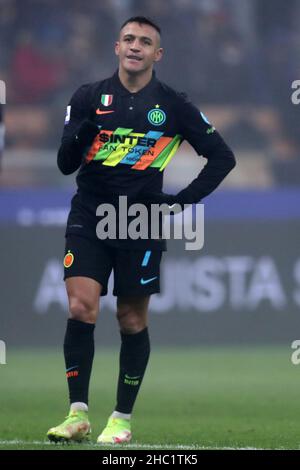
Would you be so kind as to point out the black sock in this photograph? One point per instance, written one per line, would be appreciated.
(134, 355)
(79, 354)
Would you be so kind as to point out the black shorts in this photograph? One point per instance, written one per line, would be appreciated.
(136, 272)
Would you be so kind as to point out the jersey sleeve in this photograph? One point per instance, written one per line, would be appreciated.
(205, 139)
(78, 110)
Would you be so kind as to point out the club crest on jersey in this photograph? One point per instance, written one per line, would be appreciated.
(106, 100)
(156, 116)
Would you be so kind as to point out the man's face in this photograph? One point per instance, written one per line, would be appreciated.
(138, 48)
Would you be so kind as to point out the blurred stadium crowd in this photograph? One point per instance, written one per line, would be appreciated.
(235, 58)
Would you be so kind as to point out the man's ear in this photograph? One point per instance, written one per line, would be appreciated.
(159, 54)
(117, 47)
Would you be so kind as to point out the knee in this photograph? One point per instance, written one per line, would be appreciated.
(129, 321)
(82, 310)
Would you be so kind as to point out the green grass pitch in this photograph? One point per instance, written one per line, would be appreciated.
(191, 398)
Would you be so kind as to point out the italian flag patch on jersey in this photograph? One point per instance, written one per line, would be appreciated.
(106, 100)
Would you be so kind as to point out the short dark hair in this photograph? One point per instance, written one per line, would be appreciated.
(142, 20)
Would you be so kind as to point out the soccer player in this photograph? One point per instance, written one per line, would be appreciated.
(122, 132)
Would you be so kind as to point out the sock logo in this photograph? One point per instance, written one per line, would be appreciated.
(131, 380)
(71, 372)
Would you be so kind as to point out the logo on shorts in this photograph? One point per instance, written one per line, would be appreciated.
(68, 259)
(146, 281)
(156, 116)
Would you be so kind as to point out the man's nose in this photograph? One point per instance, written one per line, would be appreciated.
(135, 47)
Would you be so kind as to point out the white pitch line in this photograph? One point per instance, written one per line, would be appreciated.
(129, 446)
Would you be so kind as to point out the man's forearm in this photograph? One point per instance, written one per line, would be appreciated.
(216, 169)
(69, 157)
(72, 149)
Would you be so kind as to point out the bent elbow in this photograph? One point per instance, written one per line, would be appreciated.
(65, 171)
(62, 166)
(228, 161)
(232, 162)
(63, 160)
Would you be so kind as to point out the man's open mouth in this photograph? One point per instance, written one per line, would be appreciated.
(134, 57)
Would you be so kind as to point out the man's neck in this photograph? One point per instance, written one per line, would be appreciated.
(134, 82)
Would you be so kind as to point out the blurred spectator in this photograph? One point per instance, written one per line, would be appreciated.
(36, 73)
(218, 52)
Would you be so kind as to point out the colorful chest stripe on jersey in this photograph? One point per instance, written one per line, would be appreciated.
(131, 148)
